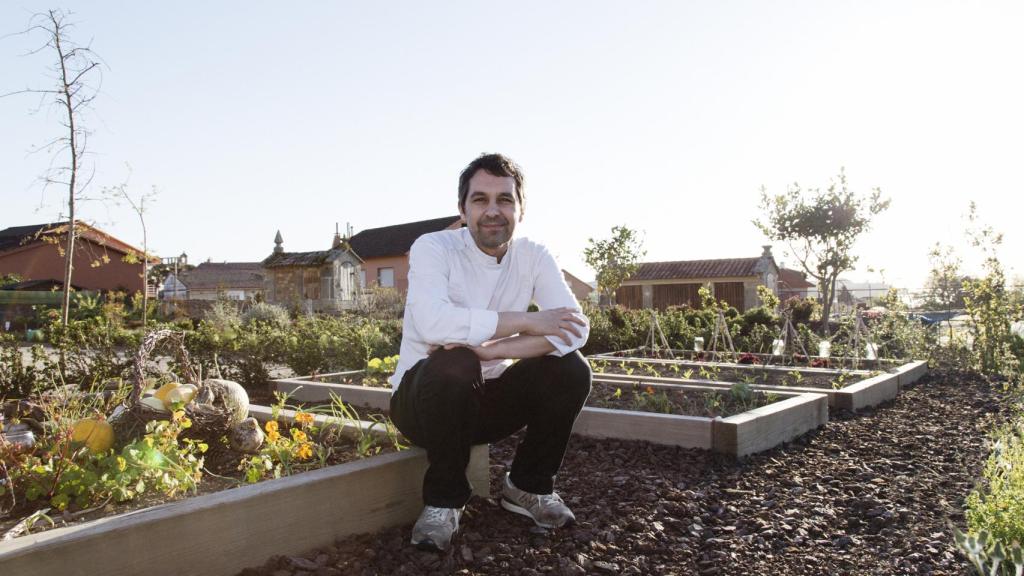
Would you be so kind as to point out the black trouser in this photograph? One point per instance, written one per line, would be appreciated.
(444, 405)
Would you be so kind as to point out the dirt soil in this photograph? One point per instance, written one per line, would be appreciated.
(871, 493)
(660, 400)
(749, 374)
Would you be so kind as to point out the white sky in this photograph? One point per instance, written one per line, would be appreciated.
(663, 116)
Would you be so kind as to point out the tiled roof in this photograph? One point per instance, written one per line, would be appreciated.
(15, 236)
(282, 259)
(696, 269)
(395, 240)
(790, 279)
(223, 275)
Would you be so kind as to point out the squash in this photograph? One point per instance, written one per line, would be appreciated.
(226, 395)
(164, 390)
(97, 434)
(154, 403)
(183, 394)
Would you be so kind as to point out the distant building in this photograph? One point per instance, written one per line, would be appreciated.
(579, 288)
(216, 281)
(319, 281)
(734, 280)
(384, 252)
(100, 262)
(793, 283)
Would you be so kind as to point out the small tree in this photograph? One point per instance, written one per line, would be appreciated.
(944, 288)
(990, 305)
(820, 230)
(72, 94)
(120, 194)
(615, 259)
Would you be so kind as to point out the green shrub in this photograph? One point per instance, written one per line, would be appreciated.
(20, 377)
(899, 335)
(802, 310)
(989, 556)
(322, 344)
(269, 314)
(92, 351)
(998, 505)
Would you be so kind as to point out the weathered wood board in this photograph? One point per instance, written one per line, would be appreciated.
(221, 533)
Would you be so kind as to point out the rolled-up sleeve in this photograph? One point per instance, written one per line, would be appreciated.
(551, 291)
(437, 320)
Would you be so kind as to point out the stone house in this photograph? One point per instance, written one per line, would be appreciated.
(734, 280)
(319, 281)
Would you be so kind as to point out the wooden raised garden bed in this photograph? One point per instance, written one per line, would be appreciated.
(781, 418)
(783, 361)
(752, 431)
(849, 389)
(222, 533)
(348, 386)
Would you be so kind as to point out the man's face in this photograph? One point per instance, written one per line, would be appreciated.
(490, 211)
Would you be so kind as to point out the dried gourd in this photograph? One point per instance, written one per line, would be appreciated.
(95, 433)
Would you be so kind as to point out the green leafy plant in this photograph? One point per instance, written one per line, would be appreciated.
(989, 556)
(998, 505)
(67, 475)
(651, 400)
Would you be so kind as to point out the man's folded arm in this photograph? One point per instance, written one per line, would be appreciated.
(551, 291)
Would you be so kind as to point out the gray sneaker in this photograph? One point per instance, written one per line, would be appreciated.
(435, 528)
(546, 510)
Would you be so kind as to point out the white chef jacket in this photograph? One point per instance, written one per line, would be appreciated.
(456, 291)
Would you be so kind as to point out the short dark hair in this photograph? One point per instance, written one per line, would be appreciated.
(496, 165)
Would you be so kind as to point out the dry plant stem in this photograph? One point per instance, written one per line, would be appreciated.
(24, 525)
(59, 471)
(5, 476)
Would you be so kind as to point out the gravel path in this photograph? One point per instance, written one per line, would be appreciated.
(871, 493)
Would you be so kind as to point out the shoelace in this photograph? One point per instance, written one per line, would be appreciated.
(546, 500)
(440, 515)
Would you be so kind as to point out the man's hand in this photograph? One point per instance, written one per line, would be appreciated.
(486, 351)
(554, 322)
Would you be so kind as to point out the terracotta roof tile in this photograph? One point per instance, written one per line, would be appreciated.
(684, 269)
(790, 279)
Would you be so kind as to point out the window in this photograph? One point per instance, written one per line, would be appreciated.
(362, 278)
(386, 277)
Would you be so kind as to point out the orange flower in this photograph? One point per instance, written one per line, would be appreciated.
(271, 426)
(304, 418)
(304, 451)
(649, 390)
(298, 435)
(273, 436)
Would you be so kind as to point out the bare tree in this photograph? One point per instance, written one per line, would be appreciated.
(72, 93)
(138, 204)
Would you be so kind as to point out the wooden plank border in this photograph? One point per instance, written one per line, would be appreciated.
(742, 434)
(854, 396)
(224, 532)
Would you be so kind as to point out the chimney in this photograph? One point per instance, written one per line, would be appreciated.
(337, 238)
(767, 251)
(278, 243)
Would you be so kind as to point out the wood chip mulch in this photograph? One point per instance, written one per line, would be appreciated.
(875, 492)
